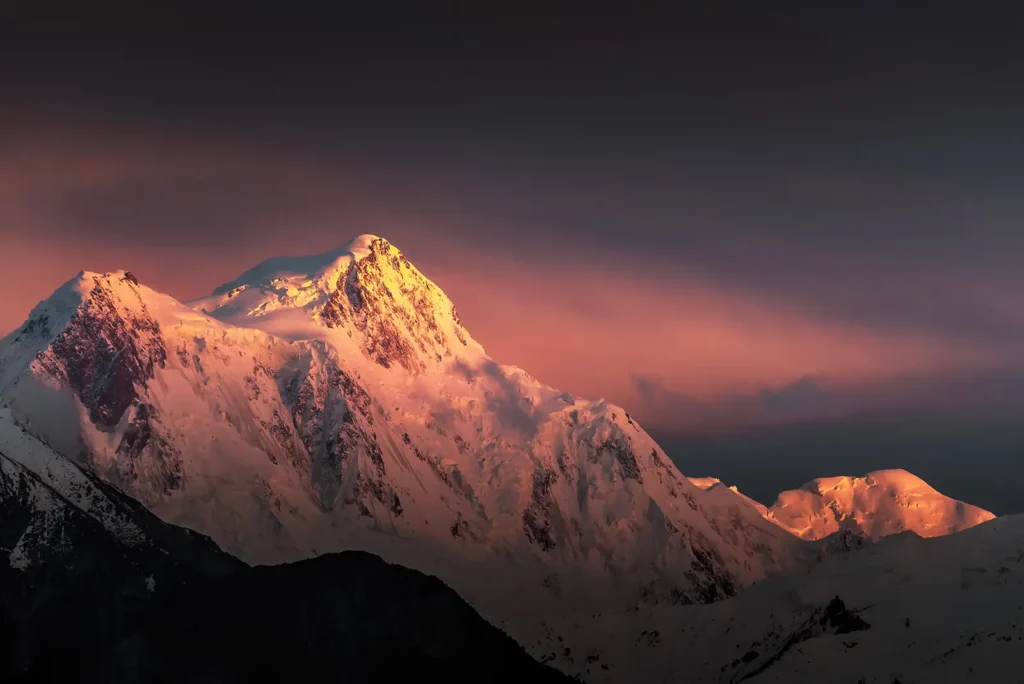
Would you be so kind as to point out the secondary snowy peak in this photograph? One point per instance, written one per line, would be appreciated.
(881, 503)
(99, 336)
(365, 294)
(110, 298)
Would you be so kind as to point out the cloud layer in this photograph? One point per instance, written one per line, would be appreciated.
(664, 302)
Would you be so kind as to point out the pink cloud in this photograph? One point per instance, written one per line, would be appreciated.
(585, 320)
(593, 327)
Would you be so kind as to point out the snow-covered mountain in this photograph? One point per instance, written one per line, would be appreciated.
(879, 504)
(337, 402)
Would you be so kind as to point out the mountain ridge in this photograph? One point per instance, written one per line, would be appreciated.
(302, 412)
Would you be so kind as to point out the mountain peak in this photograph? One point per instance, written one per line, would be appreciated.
(364, 241)
(878, 504)
(309, 267)
(894, 479)
(117, 291)
(365, 294)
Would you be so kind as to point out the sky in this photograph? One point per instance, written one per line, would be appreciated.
(785, 238)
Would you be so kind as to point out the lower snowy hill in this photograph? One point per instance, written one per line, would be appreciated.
(94, 588)
(945, 610)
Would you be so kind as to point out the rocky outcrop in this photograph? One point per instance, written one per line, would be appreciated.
(145, 455)
(105, 353)
(397, 312)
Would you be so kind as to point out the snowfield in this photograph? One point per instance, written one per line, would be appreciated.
(907, 609)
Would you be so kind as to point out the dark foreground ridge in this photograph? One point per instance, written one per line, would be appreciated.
(176, 609)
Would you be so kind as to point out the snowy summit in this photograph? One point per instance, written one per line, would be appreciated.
(879, 504)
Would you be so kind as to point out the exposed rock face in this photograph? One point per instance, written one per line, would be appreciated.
(104, 353)
(333, 417)
(144, 454)
(537, 518)
(397, 311)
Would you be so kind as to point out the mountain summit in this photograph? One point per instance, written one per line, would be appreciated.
(328, 265)
(367, 288)
(879, 504)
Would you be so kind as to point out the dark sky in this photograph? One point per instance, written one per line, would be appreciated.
(742, 214)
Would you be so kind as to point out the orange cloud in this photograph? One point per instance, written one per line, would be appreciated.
(593, 328)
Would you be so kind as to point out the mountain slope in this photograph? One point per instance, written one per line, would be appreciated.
(94, 588)
(337, 402)
(906, 609)
(880, 504)
(719, 488)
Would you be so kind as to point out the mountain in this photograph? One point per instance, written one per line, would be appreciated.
(942, 610)
(336, 402)
(879, 504)
(94, 588)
